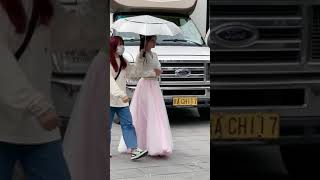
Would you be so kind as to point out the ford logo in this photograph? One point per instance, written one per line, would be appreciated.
(235, 35)
(182, 72)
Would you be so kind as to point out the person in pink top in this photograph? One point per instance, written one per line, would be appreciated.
(147, 107)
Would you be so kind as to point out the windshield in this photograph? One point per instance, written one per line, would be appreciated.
(189, 37)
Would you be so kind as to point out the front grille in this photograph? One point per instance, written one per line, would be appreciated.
(184, 64)
(255, 56)
(315, 42)
(183, 92)
(273, 34)
(257, 97)
(253, 10)
(278, 32)
(181, 79)
(197, 72)
(265, 77)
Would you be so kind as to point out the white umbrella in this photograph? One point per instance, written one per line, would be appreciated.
(146, 25)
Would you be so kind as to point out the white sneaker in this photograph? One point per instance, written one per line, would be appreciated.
(138, 153)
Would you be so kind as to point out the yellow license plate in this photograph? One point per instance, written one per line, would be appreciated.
(244, 126)
(185, 101)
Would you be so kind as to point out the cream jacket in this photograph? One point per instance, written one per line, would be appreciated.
(118, 87)
(25, 85)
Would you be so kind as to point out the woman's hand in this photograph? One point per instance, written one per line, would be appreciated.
(125, 99)
(158, 71)
(49, 121)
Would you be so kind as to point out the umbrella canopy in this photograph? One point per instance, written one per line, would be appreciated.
(146, 25)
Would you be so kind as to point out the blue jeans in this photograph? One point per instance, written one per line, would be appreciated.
(39, 162)
(128, 130)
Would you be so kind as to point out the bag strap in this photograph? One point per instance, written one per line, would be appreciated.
(120, 68)
(31, 28)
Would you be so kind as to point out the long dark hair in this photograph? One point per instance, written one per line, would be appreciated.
(143, 41)
(17, 13)
(114, 41)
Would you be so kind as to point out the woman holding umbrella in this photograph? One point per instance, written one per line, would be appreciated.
(148, 109)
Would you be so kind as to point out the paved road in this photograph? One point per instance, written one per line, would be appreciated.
(190, 160)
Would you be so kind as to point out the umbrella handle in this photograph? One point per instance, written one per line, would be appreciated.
(144, 47)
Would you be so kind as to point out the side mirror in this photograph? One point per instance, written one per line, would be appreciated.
(207, 37)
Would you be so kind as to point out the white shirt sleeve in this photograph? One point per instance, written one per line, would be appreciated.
(141, 69)
(156, 61)
(15, 90)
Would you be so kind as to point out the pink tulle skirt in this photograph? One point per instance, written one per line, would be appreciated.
(150, 119)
